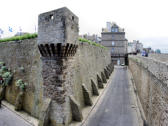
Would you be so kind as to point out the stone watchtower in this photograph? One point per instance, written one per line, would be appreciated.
(57, 42)
(58, 26)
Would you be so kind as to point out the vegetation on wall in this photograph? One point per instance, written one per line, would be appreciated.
(5, 79)
(6, 76)
(21, 84)
(30, 36)
(19, 100)
(91, 43)
(17, 38)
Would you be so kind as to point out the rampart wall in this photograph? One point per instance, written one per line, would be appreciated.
(23, 58)
(88, 62)
(151, 80)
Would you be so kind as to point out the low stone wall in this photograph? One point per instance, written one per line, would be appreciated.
(88, 65)
(159, 57)
(151, 80)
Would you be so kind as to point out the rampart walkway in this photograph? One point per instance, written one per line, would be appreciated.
(116, 106)
(8, 118)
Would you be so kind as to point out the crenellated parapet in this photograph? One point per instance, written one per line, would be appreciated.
(57, 50)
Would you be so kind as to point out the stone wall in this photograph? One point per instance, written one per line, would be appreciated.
(88, 62)
(23, 58)
(67, 77)
(160, 57)
(151, 80)
(71, 71)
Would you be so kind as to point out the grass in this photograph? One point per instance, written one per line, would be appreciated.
(17, 38)
(91, 43)
(34, 35)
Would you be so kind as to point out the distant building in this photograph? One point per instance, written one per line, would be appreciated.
(134, 47)
(149, 50)
(113, 37)
(158, 51)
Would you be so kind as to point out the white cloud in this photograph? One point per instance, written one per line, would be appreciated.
(140, 18)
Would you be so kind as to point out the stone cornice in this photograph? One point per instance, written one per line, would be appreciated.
(57, 50)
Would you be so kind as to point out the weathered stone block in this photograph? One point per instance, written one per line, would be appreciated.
(111, 67)
(94, 88)
(45, 110)
(19, 101)
(109, 71)
(99, 82)
(103, 78)
(2, 93)
(87, 98)
(75, 108)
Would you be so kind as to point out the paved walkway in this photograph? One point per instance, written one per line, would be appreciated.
(8, 118)
(116, 106)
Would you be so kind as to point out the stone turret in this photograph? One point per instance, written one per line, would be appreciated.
(57, 33)
(58, 26)
(57, 43)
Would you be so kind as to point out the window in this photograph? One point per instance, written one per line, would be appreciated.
(116, 29)
(113, 29)
(112, 50)
(113, 43)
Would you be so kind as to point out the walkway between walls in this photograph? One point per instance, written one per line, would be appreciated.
(10, 117)
(117, 106)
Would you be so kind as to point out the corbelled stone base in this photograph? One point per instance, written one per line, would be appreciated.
(87, 98)
(99, 82)
(94, 88)
(106, 73)
(75, 108)
(103, 77)
(44, 116)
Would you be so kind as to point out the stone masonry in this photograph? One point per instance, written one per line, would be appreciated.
(57, 26)
(62, 66)
(150, 77)
(58, 31)
(61, 72)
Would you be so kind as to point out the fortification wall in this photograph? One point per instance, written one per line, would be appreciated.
(19, 55)
(151, 80)
(88, 62)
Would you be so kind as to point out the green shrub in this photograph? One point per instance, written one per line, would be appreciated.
(30, 36)
(6, 75)
(21, 84)
(17, 38)
(91, 43)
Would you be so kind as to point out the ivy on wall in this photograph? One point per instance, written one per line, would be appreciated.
(5, 79)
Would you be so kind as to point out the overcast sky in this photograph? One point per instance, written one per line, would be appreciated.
(145, 20)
